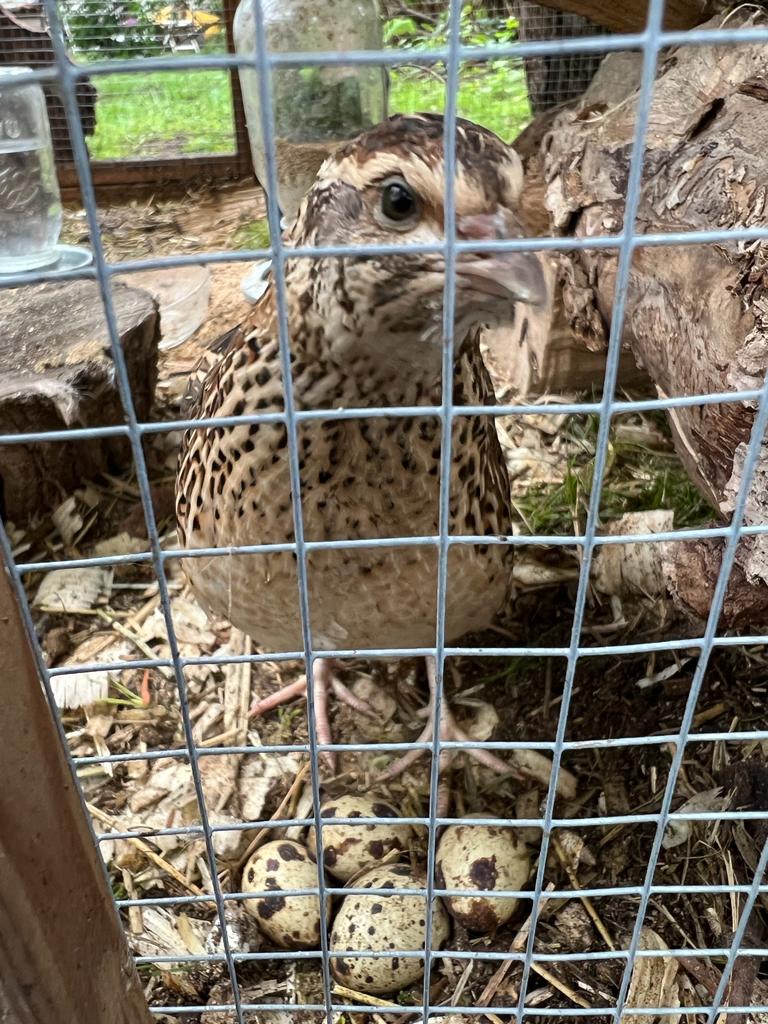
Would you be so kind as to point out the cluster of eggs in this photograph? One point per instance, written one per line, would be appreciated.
(475, 858)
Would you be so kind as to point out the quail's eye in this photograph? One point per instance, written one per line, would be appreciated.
(398, 203)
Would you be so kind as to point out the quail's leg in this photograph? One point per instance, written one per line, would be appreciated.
(449, 730)
(325, 681)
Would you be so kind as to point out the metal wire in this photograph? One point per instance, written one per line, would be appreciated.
(262, 67)
(69, 95)
(655, 12)
(650, 41)
(446, 459)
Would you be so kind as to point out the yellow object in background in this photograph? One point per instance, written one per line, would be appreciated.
(206, 20)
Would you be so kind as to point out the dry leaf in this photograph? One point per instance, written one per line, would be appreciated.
(483, 719)
(384, 725)
(633, 570)
(574, 848)
(527, 571)
(120, 544)
(170, 781)
(679, 832)
(653, 982)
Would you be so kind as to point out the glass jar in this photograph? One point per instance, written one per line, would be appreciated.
(315, 108)
(30, 202)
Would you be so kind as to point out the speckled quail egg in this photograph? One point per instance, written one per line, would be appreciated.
(481, 857)
(383, 923)
(348, 849)
(292, 922)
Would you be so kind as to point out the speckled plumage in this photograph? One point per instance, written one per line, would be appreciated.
(364, 333)
(360, 479)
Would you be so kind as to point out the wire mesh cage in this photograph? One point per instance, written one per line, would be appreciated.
(616, 906)
(124, 31)
(25, 41)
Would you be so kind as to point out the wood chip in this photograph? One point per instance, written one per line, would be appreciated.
(67, 519)
(82, 689)
(653, 982)
(74, 590)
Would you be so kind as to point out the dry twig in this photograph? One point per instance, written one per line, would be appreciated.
(149, 853)
(262, 834)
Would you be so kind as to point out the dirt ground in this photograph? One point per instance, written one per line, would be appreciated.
(104, 615)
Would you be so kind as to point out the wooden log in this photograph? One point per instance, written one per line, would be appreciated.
(56, 371)
(63, 953)
(697, 316)
(547, 359)
(630, 15)
(544, 355)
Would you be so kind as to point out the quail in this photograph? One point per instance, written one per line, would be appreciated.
(366, 331)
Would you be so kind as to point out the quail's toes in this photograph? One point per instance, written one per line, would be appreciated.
(325, 680)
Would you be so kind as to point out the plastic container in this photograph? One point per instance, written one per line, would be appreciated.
(182, 293)
(30, 202)
(315, 108)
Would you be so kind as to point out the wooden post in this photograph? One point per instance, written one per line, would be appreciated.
(63, 954)
(630, 15)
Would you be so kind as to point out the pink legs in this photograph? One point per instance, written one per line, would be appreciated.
(325, 680)
(449, 730)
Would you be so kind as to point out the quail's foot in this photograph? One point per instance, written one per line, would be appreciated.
(527, 765)
(449, 730)
(325, 681)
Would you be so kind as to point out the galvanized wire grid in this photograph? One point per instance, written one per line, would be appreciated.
(650, 41)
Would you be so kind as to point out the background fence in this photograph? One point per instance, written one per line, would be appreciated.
(178, 127)
(178, 668)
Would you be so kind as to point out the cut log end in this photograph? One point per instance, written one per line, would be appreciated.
(57, 371)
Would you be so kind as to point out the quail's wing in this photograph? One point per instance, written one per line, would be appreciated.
(260, 324)
(206, 364)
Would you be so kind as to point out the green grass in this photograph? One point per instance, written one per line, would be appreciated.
(165, 113)
(253, 235)
(638, 477)
(493, 95)
(175, 113)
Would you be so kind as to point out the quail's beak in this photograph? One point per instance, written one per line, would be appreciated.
(516, 276)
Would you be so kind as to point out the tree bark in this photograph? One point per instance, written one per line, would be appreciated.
(697, 316)
(56, 371)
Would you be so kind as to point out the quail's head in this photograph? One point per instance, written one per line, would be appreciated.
(387, 187)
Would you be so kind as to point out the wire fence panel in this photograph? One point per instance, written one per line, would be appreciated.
(214, 967)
